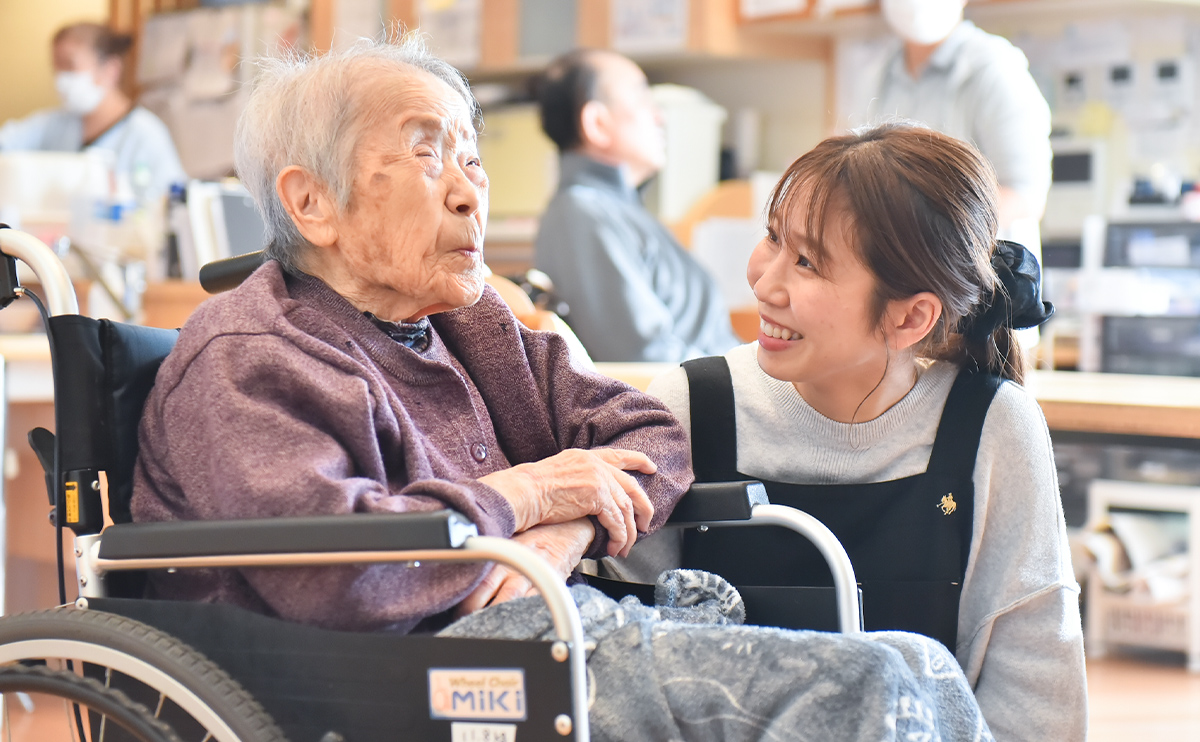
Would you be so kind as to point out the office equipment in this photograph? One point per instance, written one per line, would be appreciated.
(1137, 296)
(1078, 188)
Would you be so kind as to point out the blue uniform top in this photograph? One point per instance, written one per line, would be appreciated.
(139, 140)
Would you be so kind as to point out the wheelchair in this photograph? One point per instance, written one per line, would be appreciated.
(129, 668)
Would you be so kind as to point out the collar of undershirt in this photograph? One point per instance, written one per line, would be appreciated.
(415, 335)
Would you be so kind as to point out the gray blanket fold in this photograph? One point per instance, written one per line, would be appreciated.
(686, 670)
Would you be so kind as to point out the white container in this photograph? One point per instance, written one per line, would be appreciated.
(693, 163)
(1115, 619)
(38, 188)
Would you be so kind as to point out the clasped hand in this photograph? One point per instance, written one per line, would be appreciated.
(552, 499)
(577, 483)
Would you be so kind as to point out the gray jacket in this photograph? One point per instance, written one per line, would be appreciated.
(634, 293)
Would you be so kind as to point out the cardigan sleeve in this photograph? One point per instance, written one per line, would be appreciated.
(254, 427)
(590, 410)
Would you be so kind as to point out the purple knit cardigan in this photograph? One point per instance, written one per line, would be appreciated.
(282, 399)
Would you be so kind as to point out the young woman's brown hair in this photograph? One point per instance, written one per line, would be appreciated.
(922, 217)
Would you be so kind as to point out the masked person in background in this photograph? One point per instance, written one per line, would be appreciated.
(962, 81)
(88, 62)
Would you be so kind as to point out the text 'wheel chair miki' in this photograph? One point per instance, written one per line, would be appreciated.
(134, 669)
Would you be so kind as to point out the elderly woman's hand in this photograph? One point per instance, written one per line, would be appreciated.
(577, 483)
(561, 544)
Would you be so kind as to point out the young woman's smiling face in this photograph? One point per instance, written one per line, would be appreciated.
(817, 324)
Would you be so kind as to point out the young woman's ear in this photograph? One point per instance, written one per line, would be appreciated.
(911, 320)
(595, 125)
(308, 204)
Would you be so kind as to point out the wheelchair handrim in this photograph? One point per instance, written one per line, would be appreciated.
(135, 668)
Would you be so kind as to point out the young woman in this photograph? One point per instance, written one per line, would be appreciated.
(884, 397)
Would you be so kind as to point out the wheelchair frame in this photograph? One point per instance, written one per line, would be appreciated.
(412, 538)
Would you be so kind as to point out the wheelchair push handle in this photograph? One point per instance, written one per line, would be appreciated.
(228, 273)
(45, 264)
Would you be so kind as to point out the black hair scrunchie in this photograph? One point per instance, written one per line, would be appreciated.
(1016, 302)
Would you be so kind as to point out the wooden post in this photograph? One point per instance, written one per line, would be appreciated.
(712, 27)
(594, 22)
(320, 25)
(403, 13)
(500, 41)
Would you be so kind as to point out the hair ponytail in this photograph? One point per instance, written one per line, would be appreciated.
(998, 354)
(988, 333)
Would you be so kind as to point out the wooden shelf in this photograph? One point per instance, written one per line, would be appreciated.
(809, 23)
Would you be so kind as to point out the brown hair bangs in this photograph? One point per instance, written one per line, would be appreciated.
(808, 187)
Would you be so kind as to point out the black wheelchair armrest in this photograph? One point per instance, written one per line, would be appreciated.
(358, 532)
(710, 502)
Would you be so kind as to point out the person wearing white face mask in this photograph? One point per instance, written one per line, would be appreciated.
(96, 113)
(962, 81)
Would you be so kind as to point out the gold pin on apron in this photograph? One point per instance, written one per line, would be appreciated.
(948, 505)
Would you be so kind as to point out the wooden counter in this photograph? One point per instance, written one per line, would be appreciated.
(1166, 406)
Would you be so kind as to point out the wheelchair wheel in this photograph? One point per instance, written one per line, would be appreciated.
(177, 685)
(65, 695)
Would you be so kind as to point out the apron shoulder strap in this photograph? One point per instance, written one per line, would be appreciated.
(714, 428)
(961, 425)
(952, 462)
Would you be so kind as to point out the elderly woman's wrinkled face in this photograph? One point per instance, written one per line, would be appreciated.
(412, 235)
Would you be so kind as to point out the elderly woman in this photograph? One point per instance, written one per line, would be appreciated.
(366, 368)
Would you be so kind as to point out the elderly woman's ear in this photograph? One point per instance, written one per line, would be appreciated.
(309, 205)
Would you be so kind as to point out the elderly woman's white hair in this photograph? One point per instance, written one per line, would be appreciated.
(302, 111)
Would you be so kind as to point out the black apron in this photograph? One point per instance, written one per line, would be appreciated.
(909, 539)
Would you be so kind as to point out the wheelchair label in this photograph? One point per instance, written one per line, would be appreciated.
(477, 693)
(465, 731)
